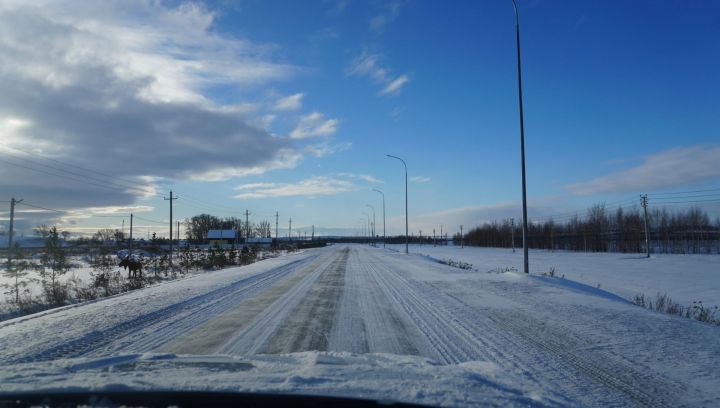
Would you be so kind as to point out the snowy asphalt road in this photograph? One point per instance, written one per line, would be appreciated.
(585, 349)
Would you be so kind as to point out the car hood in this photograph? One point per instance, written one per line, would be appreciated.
(375, 376)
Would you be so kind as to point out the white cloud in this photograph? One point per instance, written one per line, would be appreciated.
(390, 12)
(394, 86)
(368, 65)
(285, 159)
(252, 186)
(312, 187)
(364, 177)
(419, 179)
(289, 103)
(371, 66)
(314, 125)
(123, 88)
(670, 168)
(326, 149)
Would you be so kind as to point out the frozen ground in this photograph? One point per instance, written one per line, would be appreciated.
(80, 271)
(364, 322)
(686, 278)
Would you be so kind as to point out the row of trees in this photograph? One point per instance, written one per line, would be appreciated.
(197, 227)
(689, 231)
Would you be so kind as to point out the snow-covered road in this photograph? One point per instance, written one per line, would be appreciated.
(556, 342)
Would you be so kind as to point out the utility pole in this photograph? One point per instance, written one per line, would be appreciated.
(13, 203)
(512, 233)
(462, 244)
(290, 229)
(171, 223)
(441, 235)
(131, 242)
(123, 228)
(644, 203)
(312, 237)
(434, 241)
(277, 214)
(247, 226)
(526, 262)
(177, 233)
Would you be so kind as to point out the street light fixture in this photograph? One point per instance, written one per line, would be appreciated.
(373, 223)
(526, 263)
(406, 203)
(368, 221)
(383, 201)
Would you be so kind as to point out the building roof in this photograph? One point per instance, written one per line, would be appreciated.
(221, 234)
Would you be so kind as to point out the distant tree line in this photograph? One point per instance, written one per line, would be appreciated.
(688, 231)
(197, 227)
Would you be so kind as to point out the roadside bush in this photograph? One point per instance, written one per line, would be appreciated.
(663, 303)
(456, 264)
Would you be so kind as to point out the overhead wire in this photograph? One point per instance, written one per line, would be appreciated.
(113, 179)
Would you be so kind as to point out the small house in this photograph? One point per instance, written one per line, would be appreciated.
(221, 237)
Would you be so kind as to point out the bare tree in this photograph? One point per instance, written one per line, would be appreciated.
(262, 229)
(42, 231)
(105, 234)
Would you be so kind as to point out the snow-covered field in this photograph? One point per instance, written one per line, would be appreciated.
(80, 271)
(685, 278)
(366, 322)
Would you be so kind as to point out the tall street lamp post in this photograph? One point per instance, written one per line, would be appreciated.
(373, 223)
(383, 201)
(407, 238)
(526, 263)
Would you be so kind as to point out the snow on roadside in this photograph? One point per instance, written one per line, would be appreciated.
(685, 278)
(114, 309)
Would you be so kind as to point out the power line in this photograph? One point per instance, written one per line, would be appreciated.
(131, 184)
(687, 196)
(75, 176)
(693, 201)
(686, 192)
(149, 220)
(43, 208)
(571, 214)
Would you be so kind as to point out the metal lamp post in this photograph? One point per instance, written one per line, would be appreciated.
(407, 238)
(368, 223)
(373, 222)
(383, 201)
(526, 263)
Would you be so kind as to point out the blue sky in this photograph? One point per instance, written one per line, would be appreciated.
(621, 98)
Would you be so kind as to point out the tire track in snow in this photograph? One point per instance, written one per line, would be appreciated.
(308, 327)
(194, 310)
(253, 338)
(368, 321)
(209, 336)
(604, 369)
(461, 333)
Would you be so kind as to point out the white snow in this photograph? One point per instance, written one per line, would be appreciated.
(369, 376)
(685, 278)
(366, 322)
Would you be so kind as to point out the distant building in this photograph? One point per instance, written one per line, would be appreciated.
(221, 237)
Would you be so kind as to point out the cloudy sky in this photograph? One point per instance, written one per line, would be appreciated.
(292, 106)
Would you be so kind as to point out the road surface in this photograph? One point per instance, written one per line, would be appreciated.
(368, 300)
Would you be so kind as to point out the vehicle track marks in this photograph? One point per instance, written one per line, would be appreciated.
(193, 309)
